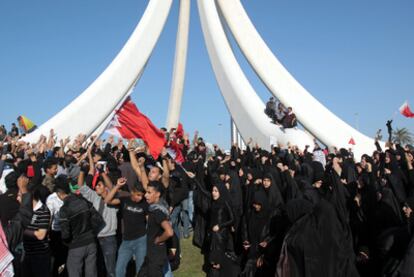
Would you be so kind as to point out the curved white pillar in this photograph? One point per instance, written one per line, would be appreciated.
(314, 116)
(177, 85)
(244, 105)
(89, 110)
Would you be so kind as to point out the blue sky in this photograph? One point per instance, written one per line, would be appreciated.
(355, 56)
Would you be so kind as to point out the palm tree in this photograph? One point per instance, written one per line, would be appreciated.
(403, 136)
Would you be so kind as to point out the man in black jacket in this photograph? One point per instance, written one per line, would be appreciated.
(77, 231)
(14, 221)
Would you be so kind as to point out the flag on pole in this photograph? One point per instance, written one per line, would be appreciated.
(406, 111)
(129, 123)
(352, 141)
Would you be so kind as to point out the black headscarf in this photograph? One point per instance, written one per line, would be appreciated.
(258, 219)
(224, 193)
(261, 199)
(318, 171)
(273, 193)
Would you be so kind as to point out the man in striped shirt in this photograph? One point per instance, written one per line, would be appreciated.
(35, 241)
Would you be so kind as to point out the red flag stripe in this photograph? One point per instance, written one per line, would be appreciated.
(406, 111)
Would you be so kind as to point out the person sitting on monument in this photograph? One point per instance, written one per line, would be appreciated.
(280, 113)
(289, 120)
(270, 110)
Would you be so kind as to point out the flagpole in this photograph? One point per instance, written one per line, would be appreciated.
(397, 111)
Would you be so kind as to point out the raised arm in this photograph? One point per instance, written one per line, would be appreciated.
(91, 163)
(195, 139)
(378, 146)
(192, 176)
(63, 144)
(51, 140)
(110, 197)
(37, 168)
(165, 179)
(107, 180)
(138, 167)
(81, 179)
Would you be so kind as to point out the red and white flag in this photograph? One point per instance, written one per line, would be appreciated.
(406, 111)
(129, 123)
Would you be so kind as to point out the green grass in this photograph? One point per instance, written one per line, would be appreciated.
(191, 261)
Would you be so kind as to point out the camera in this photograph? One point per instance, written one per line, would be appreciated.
(101, 166)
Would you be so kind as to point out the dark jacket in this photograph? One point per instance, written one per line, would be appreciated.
(178, 188)
(14, 228)
(75, 222)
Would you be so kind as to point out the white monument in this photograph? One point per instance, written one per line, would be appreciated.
(84, 115)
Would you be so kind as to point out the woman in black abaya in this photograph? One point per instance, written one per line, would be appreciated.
(274, 196)
(221, 221)
(220, 253)
(254, 231)
(272, 236)
(395, 177)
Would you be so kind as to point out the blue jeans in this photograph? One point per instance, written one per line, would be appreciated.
(187, 213)
(185, 217)
(178, 215)
(190, 205)
(109, 246)
(175, 220)
(167, 270)
(129, 248)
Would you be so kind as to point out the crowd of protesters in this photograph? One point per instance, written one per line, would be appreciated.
(88, 207)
